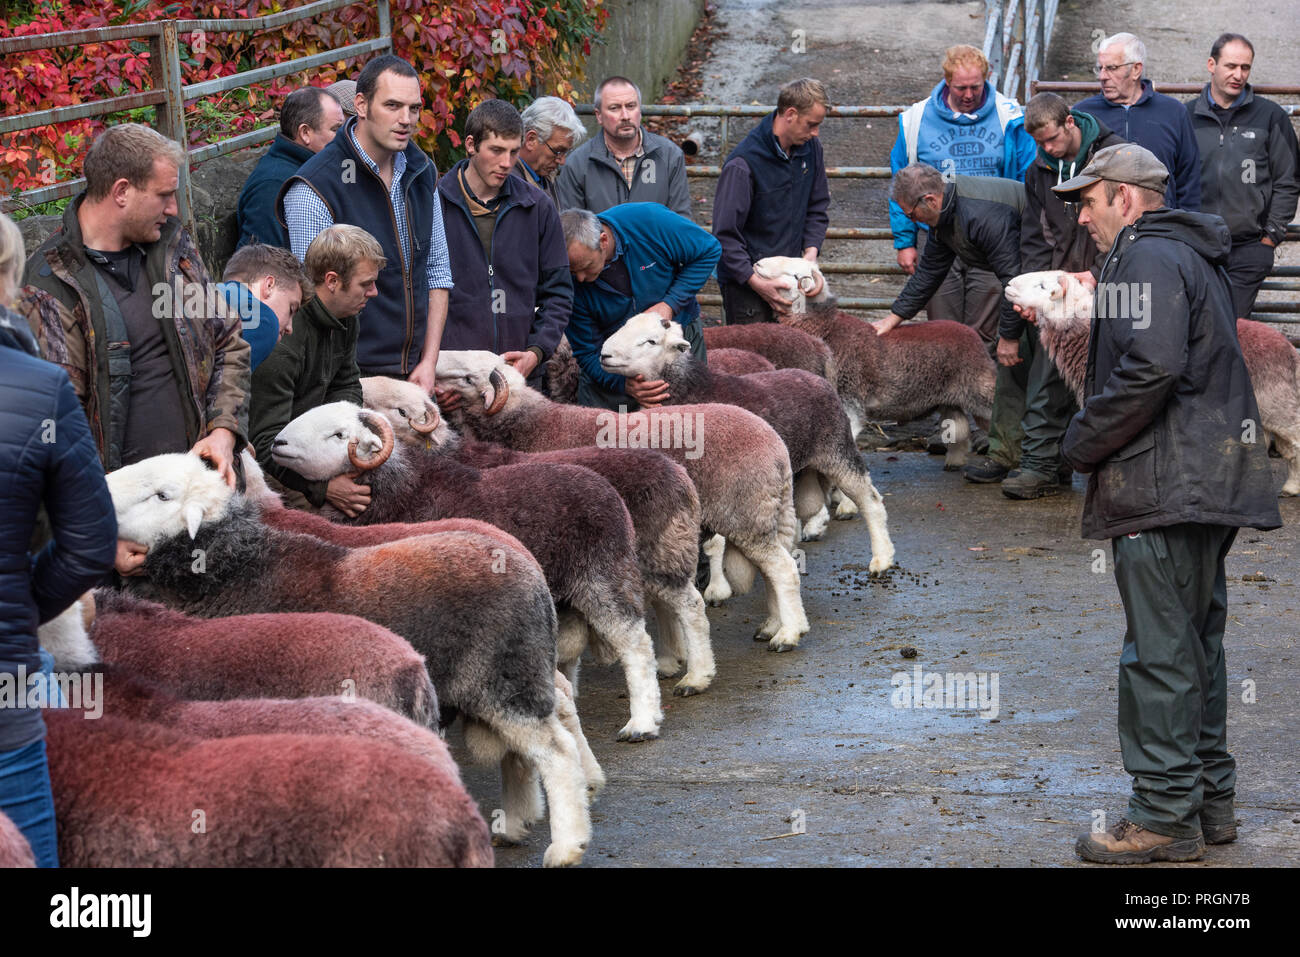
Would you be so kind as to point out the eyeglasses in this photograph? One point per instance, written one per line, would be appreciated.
(911, 213)
(1099, 70)
(558, 154)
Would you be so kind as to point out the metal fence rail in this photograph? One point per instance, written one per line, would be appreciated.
(170, 93)
(1017, 34)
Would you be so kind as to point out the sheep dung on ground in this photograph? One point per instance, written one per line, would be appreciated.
(659, 496)
(266, 800)
(739, 465)
(909, 372)
(491, 655)
(738, 362)
(1064, 306)
(570, 518)
(802, 407)
(783, 346)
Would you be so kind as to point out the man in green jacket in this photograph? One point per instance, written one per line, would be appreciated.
(316, 363)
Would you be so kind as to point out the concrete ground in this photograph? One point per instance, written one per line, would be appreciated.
(984, 585)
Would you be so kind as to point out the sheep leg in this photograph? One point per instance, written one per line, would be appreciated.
(856, 484)
(521, 797)
(786, 620)
(549, 747)
(719, 589)
(570, 671)
(567, 712)
(955, 431)
(810, 505)
(631, 644)
(853, 409)
(685, 608)
(845, 509)
(571, 639)
(668, 661)
(1290, 451)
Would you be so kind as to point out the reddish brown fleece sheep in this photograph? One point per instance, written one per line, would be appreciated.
(14, 849)
(783, 346)
(738, 362)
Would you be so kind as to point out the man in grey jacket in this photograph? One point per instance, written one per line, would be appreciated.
(1169, 438)
(626, 163)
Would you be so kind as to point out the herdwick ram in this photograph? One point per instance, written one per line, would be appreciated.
(276, 514)
(738, 362)
(659, 496)
(572, 521)
(738, 463)
(14, 849)
(802, 407)
(491, 656)
(1064, 325)
(265, 800)
(783, 346)
(907, 373)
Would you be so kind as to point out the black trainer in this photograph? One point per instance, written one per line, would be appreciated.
(985, 470)
(1024, 484)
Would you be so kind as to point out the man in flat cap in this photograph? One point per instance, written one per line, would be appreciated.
(1169, 437)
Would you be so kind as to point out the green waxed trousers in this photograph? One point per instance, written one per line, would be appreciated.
(1173, 696)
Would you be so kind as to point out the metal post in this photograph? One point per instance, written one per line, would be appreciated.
(385, 24)
(165, 66)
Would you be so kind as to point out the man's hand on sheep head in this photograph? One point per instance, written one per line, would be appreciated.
(345, 495)
(130, 558)
(218, 447)
(525, 361)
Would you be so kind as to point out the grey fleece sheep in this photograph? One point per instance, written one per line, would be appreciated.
(659, 496)
(490, 649)
(802, 407)
(738, 463)
(572, 521)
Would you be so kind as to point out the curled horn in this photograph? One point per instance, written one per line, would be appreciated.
(380, 425)
(807, 283)
(501, 390)
(431, 419)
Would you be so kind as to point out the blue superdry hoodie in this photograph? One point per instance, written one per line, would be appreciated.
(990, 142)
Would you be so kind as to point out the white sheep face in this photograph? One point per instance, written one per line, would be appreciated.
(163, 496)
(645, 345)
(799, 277)
(1059, 307)
(468, 372)
(405, 405)
(315, 445)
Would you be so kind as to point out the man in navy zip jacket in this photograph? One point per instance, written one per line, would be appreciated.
(513, 293)
(771, 200)
(634, 258)
(373, 175)
(1130, 107)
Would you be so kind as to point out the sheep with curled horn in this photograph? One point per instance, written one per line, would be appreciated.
(739, 465)
(571, 520)
(489, 647)
(659, 496)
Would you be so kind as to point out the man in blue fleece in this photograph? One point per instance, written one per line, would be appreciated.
(1130, 106)
(633, 258)
(964, 127)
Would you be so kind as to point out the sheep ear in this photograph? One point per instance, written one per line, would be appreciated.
(682, 346)
(193, 513)
(1057, 292)
(666, 323)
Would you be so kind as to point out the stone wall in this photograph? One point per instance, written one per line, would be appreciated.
(644, 40)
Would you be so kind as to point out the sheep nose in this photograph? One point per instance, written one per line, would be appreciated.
(278, 443)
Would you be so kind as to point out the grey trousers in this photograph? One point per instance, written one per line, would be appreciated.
(1173, 686)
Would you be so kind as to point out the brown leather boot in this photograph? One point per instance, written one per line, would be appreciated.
(1129, 843)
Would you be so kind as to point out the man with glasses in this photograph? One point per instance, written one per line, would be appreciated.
(551, 132)
(1129, 105)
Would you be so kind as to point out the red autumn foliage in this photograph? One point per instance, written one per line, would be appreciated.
(464, 52)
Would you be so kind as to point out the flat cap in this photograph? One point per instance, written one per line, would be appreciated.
(1121, 163)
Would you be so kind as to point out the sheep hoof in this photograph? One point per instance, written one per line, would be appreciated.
(783, 640)
(632, 735)
(767, 629)
(668, 667)
(715, 595)
(811, 535)
(881, 564)
(845, 510)
(815, 527)
(508, 839)
(689, 686)
(558, 855)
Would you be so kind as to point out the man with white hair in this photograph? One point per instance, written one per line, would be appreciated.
(551, 132)
(625, 163)
(1129, 105)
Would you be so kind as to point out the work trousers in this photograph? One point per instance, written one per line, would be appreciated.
(1173, 689)
(1032, 407)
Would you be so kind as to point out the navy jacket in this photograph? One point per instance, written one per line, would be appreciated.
(47, 457)
(768, 204)
(1159, 123)
(394, 322)
(522, 297)
(668, 259)
(1163, 433)
(256, 210)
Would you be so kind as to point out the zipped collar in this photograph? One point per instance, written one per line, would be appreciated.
(1205, 105)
